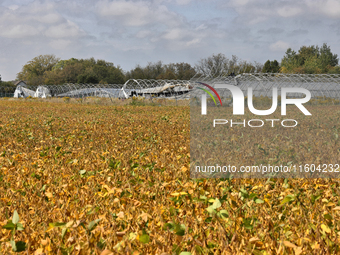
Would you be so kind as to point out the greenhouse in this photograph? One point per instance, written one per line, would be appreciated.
(22, 91)
(139, 88)
(320, 85)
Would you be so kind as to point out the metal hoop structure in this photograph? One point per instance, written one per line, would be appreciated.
(171, 89)
(320, 85)
(69, 90)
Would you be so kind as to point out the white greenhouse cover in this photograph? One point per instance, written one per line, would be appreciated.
(42, 92)
(21, 91)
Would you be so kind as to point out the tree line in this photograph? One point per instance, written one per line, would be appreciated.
(6, 87)
(308, 60)
(48, 69)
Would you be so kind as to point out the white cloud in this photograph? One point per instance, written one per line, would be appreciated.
(132, 13)
(201, 27)
(49, 18)
(35, 19)
(143, 34)
(68, 29)
(183, 2)
(279, 46)
(174, 34)
(60, 44)
(39, 7)
(289, 11)
(328, 8)
(253, 12)
(193, 42)
(237, 3)
(136, 13)
(18, 31)
(186, 38)
(13, 7)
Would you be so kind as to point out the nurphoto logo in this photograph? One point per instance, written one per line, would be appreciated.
(239, 104)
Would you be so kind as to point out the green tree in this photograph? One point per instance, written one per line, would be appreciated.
(311, 65)
(169, 73)
(271, 67)
(6, 88)
(48, 69)
(177, 71)
(68, 73)
(83, 71)
(88, 76)
(33, 72)
(266, 67)
(310, 59)
(289, 61)
(184, 71)
(153, 70)
(275, 66)
(136, 73)
(157, 70)
(328, 60)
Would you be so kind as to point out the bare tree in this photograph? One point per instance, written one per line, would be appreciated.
(220, 66)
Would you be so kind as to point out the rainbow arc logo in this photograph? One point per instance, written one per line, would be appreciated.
(208, 92)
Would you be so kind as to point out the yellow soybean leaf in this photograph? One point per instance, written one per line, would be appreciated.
(49, 194)
(39, 252)
(289, 244)
(184, 169)
(176, 194)
(326, 228)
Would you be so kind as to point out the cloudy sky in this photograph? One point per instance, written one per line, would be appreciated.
(131, 32)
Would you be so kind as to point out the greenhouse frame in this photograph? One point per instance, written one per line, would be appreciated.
(320, 85)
